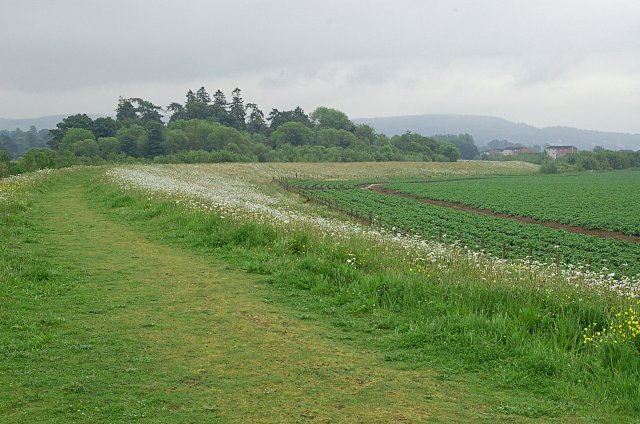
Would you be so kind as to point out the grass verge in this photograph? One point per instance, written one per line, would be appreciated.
(523, 339)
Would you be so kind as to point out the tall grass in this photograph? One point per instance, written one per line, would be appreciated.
(512, 330)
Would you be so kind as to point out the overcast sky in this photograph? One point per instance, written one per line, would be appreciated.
(569, 62)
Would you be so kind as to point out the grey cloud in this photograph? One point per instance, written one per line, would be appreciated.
(69, 46)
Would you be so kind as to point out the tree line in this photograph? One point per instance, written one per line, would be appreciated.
(215, 129)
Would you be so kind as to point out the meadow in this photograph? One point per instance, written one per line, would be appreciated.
(208, 293)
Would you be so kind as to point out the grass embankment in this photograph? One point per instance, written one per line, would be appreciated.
(147, 320)
(100, 324)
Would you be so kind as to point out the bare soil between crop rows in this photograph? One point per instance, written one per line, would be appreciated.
(378, 188)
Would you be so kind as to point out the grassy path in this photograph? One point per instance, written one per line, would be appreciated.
(141, 330)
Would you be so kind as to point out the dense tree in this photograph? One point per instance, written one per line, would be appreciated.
(132, 139)
(331, 137)
(219, 108)
(36, 159)
(324, 117)
(501, 144)
(153, 146)
(148, 112)
(293, 133)
(220, 100)
(278, 118)
(177, 111)
(87, 148)
(108, 147)
(256, 122)
(237, 112)
(197, 105)
(17, 142)
(176, 140)
(5, 156)
(80, 120)
(221, 137)
(464, 142)
(196, 130)
(416, 144)
(214, 131)
(137, 110)
(5, 159)
(450, 151)
(104, 127)
(191, 97)
(73, 135)
(365, 132)
(125, 111)
(202, 96)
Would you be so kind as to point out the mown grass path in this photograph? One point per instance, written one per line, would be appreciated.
(156, 333)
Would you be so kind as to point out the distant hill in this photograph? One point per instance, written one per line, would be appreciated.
(487, 128)
(43, 122)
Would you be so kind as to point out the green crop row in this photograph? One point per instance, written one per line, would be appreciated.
(607, 200)
(474, 231)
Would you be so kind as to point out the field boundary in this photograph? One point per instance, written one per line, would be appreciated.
(378, 188)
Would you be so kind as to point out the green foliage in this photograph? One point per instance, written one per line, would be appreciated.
(450, 151)
(324, 117)
(86, 148)
(108, 147)
(132, 139)
(203, 123)
(202, 156)
(5, 156)
(256, 122)
(153, 146)
(292, 133)
(237, 112)
(601, 159)
(17, 142)
(549, 166)
(221, 138)
(5, 159)
(464, 142)
(35, 159)
(417, 144)
(331, 137)
(105, 127)
(79, 120)
(73, 135)
(277, 118)
(137, 111)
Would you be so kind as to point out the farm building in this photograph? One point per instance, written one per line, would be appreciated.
(556, 152)
(508, 151)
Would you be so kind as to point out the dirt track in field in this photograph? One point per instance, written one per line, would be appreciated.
(378, 188)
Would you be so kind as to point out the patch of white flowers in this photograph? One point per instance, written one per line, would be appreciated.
(234, 197)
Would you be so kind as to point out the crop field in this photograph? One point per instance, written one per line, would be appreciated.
(608, 201)
(575, 200)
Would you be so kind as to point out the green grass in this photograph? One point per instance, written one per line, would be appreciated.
(116, 307)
